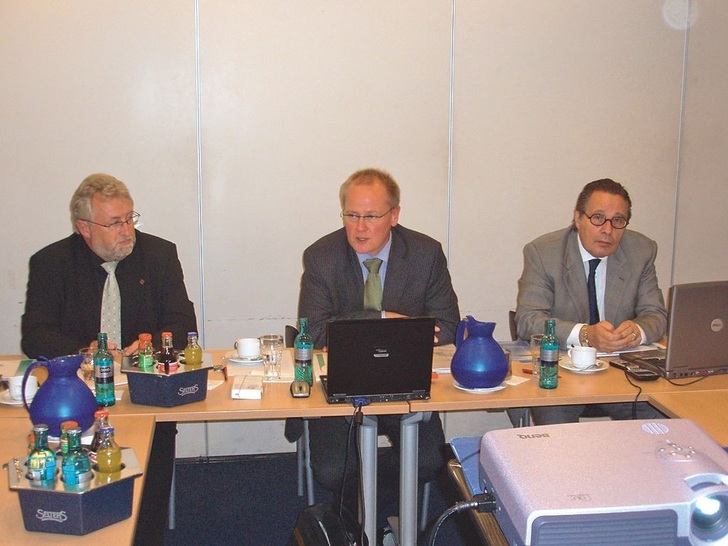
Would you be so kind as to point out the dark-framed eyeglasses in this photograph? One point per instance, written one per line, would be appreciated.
(368, 218)
(598, 219)
(132, 219)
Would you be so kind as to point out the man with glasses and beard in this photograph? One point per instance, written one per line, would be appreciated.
(67, 279)
(598, 280)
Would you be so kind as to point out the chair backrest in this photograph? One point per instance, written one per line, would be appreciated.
(290, 337)
(512, 325)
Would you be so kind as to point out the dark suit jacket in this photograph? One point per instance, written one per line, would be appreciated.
(417, 283)
(553, 285)
(65, 285)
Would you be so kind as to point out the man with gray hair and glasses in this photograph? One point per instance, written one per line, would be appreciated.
(598, 280)
(106, 276)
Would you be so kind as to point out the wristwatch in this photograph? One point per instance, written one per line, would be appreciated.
(584, 336)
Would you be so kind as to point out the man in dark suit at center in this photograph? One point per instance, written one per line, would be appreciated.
(415, 281)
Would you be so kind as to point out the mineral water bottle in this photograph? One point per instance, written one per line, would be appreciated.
(101, 420)
(193, 352)
(108, 454)
(303, 353)
(41, 461)
(146, 353)
(549, 374)
(76, 464)
(104, 373)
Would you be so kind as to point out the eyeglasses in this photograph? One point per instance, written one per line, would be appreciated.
(368, 218)
(132, 219)
(598, 219)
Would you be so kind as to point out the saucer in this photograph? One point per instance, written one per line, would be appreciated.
(6, 399)
(478, 391)
(566, 364)
(233, 358)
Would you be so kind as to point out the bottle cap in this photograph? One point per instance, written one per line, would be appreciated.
(101, 413)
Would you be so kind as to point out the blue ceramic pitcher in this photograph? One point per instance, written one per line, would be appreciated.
(61, 397)
(479, 361)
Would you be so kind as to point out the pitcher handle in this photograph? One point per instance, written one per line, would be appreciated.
(40, 361)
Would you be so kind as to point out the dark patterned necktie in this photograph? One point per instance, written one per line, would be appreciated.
(592, 290)
(373, 285)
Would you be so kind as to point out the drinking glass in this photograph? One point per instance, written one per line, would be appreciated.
(87, 366)
(271, 349)
(535, 347)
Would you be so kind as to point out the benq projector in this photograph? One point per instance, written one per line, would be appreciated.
(624, 483)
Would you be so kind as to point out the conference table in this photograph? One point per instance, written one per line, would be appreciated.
(609, 385)
(276, 403)
(131, 431)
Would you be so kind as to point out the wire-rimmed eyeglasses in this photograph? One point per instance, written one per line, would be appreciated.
(368, 218)
(598, 219)
(132, 219)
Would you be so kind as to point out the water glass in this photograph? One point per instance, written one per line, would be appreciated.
(271, 350)
(535, 347)
(87, 365)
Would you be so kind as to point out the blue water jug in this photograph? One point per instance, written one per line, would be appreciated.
(479, 361)
(62, 397)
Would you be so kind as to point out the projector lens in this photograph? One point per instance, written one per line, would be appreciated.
(710, 517)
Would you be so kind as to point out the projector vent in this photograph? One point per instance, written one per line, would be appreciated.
(655, 528)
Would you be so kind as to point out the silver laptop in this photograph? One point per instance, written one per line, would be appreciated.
(697, 333)
(379, 360)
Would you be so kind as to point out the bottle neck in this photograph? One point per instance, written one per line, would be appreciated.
(102, 342)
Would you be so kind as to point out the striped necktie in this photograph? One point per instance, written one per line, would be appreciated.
(373, 285)
(111, 305)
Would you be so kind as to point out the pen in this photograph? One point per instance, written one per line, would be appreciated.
(529, 371)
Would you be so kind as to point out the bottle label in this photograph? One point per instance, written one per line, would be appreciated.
(104, 371)
(303, 355)
(549, 355)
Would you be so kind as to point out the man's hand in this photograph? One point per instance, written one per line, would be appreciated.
(392, 314)
(608, 339)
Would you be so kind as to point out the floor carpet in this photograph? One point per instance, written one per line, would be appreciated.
(252, 501)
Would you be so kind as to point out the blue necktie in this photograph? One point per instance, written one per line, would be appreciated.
(592, 289)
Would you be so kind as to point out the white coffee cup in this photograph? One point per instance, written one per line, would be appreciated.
(583, 357)
(16, 387)
(248, 348)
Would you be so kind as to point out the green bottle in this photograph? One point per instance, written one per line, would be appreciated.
(76, 464)
(104, 373)
(303, 353)
(549, 373)
(41, 461)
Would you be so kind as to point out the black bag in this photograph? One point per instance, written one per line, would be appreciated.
(320, 525)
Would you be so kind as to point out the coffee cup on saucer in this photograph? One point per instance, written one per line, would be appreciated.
(583, 357)
(15, 385)
(248, 348)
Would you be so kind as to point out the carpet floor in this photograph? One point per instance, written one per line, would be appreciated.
(252, 501)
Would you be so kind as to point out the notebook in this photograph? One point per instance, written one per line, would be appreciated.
(379, 360)
(697, 333)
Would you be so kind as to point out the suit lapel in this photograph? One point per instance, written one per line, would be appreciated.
(397, 273)
(618, 274)
(574, 276)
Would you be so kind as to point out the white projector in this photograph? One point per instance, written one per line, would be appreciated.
(622, 483)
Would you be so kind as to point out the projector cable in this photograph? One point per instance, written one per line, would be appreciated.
(482, 502)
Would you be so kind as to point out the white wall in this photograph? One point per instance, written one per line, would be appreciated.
(234, 123)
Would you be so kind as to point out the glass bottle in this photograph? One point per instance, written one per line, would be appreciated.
(146, 353)
(549, 373)
(41, 461)
(193, 352)
(63, 440)
(303, 353)
(104, 373)
(167, 356)
(108, 454)
(76, 464)
(101, 420)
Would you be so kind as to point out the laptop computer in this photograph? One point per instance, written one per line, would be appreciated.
(697, 333)
(379, 360)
